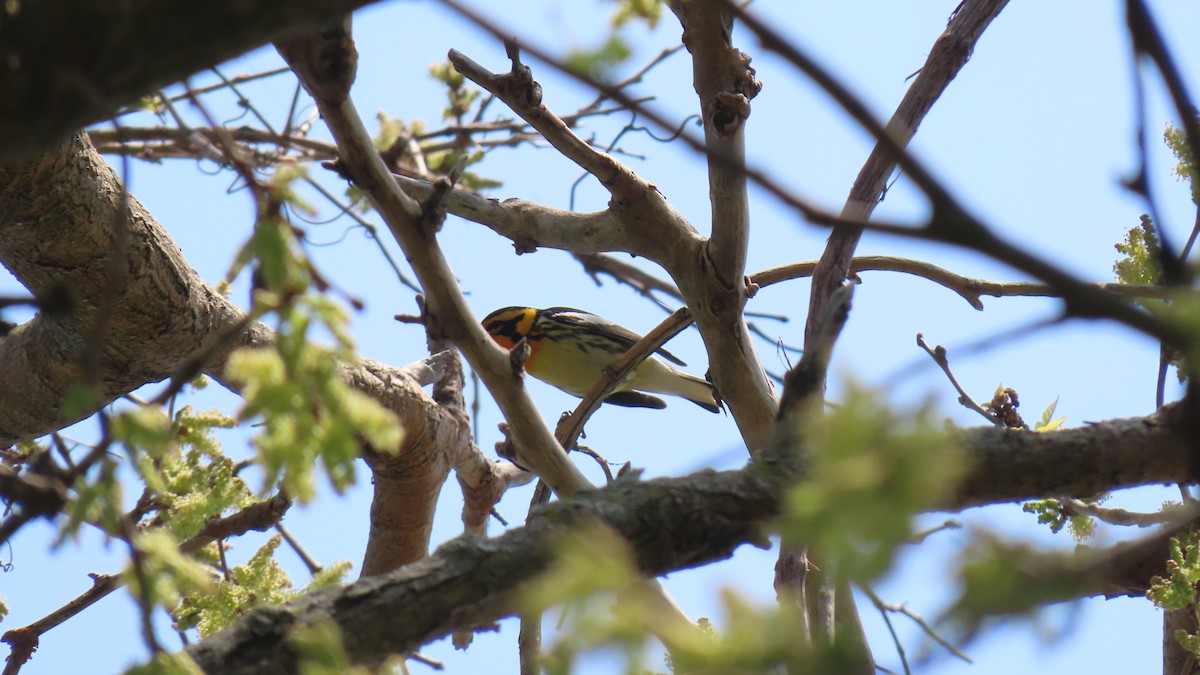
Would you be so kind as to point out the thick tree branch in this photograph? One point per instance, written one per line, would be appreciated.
(1077, 462)
(724, 81)
(528, 224)
(57, 241)
(167, 321)
(675, 523)
(714, 283)
(71, 64)
(60, 217)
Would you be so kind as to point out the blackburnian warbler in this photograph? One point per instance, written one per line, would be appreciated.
(570, 348)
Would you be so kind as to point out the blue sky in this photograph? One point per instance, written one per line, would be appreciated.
(1035, 134)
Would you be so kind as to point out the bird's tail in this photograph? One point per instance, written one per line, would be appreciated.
(668, 380)
(700, 392)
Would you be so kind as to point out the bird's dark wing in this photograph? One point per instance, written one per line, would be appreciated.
(597, 324)
(636, 399)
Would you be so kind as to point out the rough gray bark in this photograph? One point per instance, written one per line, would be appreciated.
(70, 63)
(127, 307)
(672, 524)
(127, 310)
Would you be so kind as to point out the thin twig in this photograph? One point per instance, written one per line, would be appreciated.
(887, 619)
(921, 536)
(917, 619)
(311, 563)
(427, 661)
(1077, 507)
(938, 354)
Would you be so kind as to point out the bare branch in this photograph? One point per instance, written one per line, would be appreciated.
(523, 95)
(530, 225)
(886, 608)
(643, 282)
(949, 55)
(1078, 507)
(939, 357)
(725, 83)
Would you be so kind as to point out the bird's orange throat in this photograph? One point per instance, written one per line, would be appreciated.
(508, 343)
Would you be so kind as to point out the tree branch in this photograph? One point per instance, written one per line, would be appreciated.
(61, 241)
(73, 64)
(675, 523)
(530, 225)
(167, 321)
(970, 288)
(949, 55)
(724, 81)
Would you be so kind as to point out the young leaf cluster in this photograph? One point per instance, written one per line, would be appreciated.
(258, 581)
(1051, 512)
(1177, 592)
(309, 414)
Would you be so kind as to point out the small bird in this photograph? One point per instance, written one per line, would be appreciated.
(570, 348)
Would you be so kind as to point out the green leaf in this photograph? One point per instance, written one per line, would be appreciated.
(586, 562)
(627, 11)
(170, 574)
(81, 401)
(1178, 590)
(1182, 309)
(606, 609)
(446, 73)
(1051, 512)
(459, 96)
(321, 650)
(329, 576)
(144, 430)
(999, 578)
(310, 415)
(1047, 422)
(98, 501)
(600, 62)
(474, 181)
